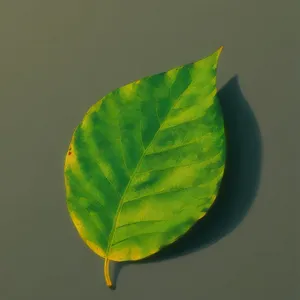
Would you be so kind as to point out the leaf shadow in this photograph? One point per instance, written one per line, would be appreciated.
(239, 185)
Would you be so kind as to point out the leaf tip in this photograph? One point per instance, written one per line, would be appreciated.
(218, 52)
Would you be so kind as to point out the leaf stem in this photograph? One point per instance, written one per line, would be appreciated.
(106, 273)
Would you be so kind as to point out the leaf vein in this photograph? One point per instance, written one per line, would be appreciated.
(167, 192)
(184, 123)
(205, 163)
(138, 222)
(135, 236)
(107, 178)
(194, 141)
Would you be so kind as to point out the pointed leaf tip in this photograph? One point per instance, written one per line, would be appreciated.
(218, 52)
(211, 59)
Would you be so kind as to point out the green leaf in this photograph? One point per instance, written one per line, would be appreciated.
(146, 162)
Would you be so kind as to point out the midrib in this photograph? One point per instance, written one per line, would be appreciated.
(111, 235)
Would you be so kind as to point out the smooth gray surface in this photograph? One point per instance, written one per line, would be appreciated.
(59, 57)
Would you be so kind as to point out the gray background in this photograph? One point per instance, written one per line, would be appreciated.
(59, 57)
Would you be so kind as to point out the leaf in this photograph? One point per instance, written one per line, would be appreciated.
(146, 162)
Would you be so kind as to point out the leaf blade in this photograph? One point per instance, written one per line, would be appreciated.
(142, 150)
